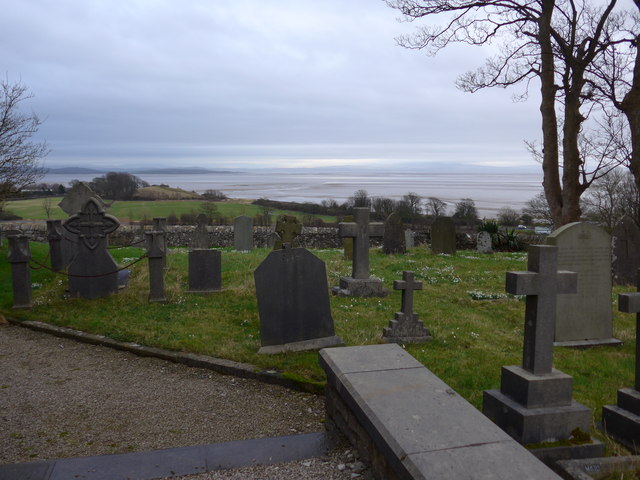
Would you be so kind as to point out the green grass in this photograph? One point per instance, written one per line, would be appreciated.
(136, 210)
(472, 338)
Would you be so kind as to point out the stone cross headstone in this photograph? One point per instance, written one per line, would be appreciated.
(409, 238)
(443, 236)
(360, 284)
(406, 326)
(159, 224)
(625, 246)
(622, 421)
(483, 242)
(347, 242)
(288, 228)
(293, 302)
(93, 272)
(200, 237)
(19, 256)
(56, 252)
(584, 318)
(205, 271)
(156, 254)
(534, 403)
(393, 240)
(243, 233)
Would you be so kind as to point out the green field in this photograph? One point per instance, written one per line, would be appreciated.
(476, 327)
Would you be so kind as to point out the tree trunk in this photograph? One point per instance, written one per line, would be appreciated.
(631, 107)
(572, 189)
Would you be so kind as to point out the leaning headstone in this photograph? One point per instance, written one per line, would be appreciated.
(409, 238)
(360, 284)
(483, 242)
(93, 272)
(293, 302)
(625, 246)
(288, 228)
(200, 236)
(393, 240)
(54, 237)
(622, 421)
(156, 254)
(19, 256)
(205, 271)
(347, 242)
(243, 233)
(585, 318)
(443, 236)
(77, 197)
(534, 403)
(406, 327)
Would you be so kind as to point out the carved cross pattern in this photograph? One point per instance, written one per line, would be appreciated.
(360, 230)
(541, 284)
(630, 303)
(407, 285)
(91, 224)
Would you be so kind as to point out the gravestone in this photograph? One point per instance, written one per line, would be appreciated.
(483, 242)
(288, 228)
(156, 254)
(393, 240)
(443, 236)
(409, 238)
(360, 284)
(200, 237)
(584, 318)
(93, 272)
(347, 242)
(159, 224)
(293, 302)
(534, 403)
(19, 256)
(205, 271)
(243, 233)
(54, 237)
(625, 246)
(622, 421)
(406, 326)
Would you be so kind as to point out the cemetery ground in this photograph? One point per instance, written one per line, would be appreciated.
(476, 327)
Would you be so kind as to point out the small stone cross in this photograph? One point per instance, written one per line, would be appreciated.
(630, 303)
(407, 285)
(91, 224)
(541, 284)
(360, 230)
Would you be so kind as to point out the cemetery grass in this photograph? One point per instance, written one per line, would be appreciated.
(477, 328)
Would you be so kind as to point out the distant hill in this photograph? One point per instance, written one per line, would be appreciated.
(164, 193)
(178, 171)
(74, 171)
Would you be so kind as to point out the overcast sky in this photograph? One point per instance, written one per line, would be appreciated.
(269, 83)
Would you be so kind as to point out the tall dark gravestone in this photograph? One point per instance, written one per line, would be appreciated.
(393, 240)
(205, 271)
(443, 236)
(406, 327)
(243, 233)
(534, 403)
(200, 237)
(156, 254)
(625, 246)
(54, 237)
(159, 224)
(19, 256)
(293, 302)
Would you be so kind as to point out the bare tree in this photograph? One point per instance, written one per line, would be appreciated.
(612, 197)
(19, 156)
(360, 198)
(435, 207)
(507, 216)
(47, 205)
(538, 209)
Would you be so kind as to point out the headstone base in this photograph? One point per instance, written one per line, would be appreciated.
(534, 391)
(401, 330)
(360, 287)
(311, 344)
(588, 343)
(622, 421)
(551, 455)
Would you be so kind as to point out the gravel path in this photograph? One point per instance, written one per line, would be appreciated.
(60, 398)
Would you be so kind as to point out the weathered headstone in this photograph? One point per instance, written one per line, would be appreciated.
(200, 237)
(77, 197)
(19, 256)
(243, 233)
(393, 240)
(288, 228)
(483, 242)
(443, 236)
(360, 284)
(409, 238)
(622, 421)
(54, 237)
(156, 254)
(93, 272)
(406, 327)
(205, 271)
(159, 224)
(625, 246)
(347, 242)
(584, 318)
(534, 403)
(293, 302)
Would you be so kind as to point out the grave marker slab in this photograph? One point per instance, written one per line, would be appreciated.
(406, 326)
(584, 318)
(625, 246)
(409, 238)
(243, 233)
(54, 237)
(443, 236)
(156, 254)
(200, 237)
(393, 240)
(19, 256)
(159, 224)
(293, 302)
(205, 271)
(484, 243)
(288, 228)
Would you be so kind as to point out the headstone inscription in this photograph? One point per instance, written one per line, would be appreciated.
(409, 238)
(483, 242)
(393, 240)
(534, 403)
(622, 421)
(293, 302)
(243, 233)
(19, 256)
(205, 271)
(93, 272)
(443, 236)
(54, 237)
(360, 284)
(288, 228)
(584, 318)
(200, 237)
(156, 254)
(625, 246)
(406, 327)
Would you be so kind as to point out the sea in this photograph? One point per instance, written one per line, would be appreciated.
(489, 190)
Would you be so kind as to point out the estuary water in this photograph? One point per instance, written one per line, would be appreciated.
(489, 191)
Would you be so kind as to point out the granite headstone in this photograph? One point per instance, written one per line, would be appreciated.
(288, 228)
(19, 256)
(156, 254)
(243, 233)
(483, 242)
(56, 252)
(625, 246)
(443, 236)
(409, 238)
(393, 240)
(200, 237)
(205, 271)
